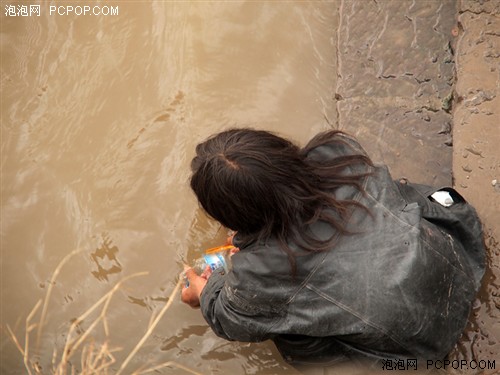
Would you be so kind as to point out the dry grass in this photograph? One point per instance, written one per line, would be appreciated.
(95, 358)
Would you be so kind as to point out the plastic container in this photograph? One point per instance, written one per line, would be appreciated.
(213, 258)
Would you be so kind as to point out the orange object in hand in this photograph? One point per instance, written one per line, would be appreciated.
(218, 249)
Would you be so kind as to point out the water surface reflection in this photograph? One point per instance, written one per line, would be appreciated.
(100, 116)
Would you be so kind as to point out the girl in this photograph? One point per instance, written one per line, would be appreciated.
(337, 261)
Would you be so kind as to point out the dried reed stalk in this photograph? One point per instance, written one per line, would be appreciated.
(95, 361)
(92, 361)
(152, 325)
(28, 328)
(49, 292)
(72, 345)
(167, 364)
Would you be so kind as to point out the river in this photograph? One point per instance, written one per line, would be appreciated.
(100, 117)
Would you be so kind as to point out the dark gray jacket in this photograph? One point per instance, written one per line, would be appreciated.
(400, 287)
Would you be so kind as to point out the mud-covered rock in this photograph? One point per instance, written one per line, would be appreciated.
(395, 83)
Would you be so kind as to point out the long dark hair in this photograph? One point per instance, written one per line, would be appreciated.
(262, 185)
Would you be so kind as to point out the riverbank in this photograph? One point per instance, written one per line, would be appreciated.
(419, 85)
(476, 158)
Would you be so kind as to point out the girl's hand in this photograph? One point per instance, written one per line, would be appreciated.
(191, 294)
(233, 251)
(229, 239)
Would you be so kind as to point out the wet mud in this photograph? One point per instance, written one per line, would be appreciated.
(100, 116)
(476, 163)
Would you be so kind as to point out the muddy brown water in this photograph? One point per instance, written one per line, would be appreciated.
(100, 117)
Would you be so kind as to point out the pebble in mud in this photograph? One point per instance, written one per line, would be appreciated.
(496, 185)
(467, 168)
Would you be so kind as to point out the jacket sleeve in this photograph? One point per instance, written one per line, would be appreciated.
(230, 315)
